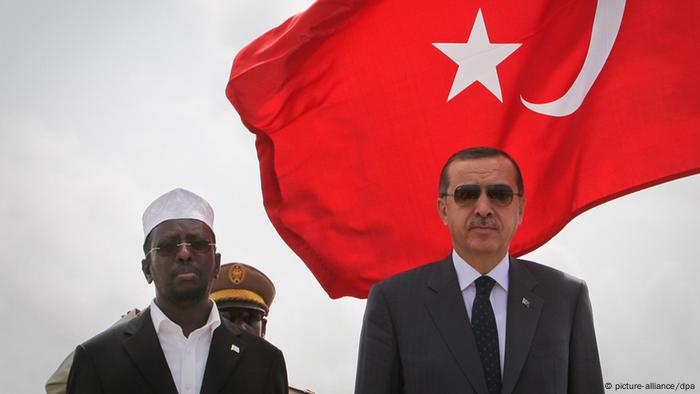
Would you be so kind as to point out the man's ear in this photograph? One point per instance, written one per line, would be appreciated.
(521, 209)
(146, 268)
(442, 210)
(217, 259)
(264, 327)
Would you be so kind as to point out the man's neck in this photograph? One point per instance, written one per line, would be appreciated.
(189, 315)
(483, 263)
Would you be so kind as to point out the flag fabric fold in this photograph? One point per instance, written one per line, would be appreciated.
(356, 105)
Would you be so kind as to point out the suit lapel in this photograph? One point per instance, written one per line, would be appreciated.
(227, 346)
(143, 347)
(446, 307)
(524, 308)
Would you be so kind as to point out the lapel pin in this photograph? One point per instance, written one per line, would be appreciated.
(526, 302)
(235, 348)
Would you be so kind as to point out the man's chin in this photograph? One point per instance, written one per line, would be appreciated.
(483, 247)
(188, 294)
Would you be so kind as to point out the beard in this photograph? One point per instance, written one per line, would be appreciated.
(195, 293)
(187, 291)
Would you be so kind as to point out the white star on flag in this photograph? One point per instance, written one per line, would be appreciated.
(477, 60)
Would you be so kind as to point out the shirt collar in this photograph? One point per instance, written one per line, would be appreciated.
(466, 274)
(159, 318)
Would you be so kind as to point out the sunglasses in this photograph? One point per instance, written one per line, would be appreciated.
(467, 195)
(171, 248)
(248, 316)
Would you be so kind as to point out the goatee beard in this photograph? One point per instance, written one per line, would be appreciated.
(193, 294)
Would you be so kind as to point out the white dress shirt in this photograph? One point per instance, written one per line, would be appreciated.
(466, 275)
(186, 356)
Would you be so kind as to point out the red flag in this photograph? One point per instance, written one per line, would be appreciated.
(357, 104)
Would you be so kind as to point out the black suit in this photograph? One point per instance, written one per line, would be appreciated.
(127, 358)
(416, 336)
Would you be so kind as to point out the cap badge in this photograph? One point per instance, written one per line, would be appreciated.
(236, 274)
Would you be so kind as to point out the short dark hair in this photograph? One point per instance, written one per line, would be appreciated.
(479, 152)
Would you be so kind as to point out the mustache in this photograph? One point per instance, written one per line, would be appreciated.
(483, 222)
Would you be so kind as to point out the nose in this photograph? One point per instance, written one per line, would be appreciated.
(183, 252)
(240, 323)
(483, 207)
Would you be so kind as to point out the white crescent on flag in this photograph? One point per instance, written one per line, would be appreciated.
(606, 24)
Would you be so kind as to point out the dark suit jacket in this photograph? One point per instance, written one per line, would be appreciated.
(128, 359)
(416, 336)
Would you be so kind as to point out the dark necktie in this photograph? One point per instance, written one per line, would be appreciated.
(486, 334)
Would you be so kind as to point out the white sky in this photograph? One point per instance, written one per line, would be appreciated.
(106, 105)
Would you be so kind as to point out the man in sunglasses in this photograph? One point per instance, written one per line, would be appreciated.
(243, 295)
(479, 321)
(179, 344)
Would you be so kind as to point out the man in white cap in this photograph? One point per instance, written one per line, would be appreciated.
(179, 344)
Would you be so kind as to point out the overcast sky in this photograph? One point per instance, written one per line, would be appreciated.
(107, 105)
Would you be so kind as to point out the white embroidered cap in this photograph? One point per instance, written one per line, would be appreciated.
(177, 204)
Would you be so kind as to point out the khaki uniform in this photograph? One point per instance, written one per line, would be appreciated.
(57, 382)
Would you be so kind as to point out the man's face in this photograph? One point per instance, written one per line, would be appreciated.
(482, 228)
(181, 273)
(247, 319)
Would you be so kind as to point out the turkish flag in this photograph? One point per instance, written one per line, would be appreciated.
(356, 106)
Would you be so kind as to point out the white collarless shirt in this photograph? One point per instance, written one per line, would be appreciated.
(466, 275)
(186, 356)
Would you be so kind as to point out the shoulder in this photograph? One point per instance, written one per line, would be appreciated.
(417, 274)
(115, 335)
(109, 335)
(414, 280)
(550, 280)
(544, 272)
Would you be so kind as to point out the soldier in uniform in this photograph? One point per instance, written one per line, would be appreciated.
(243, 295)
